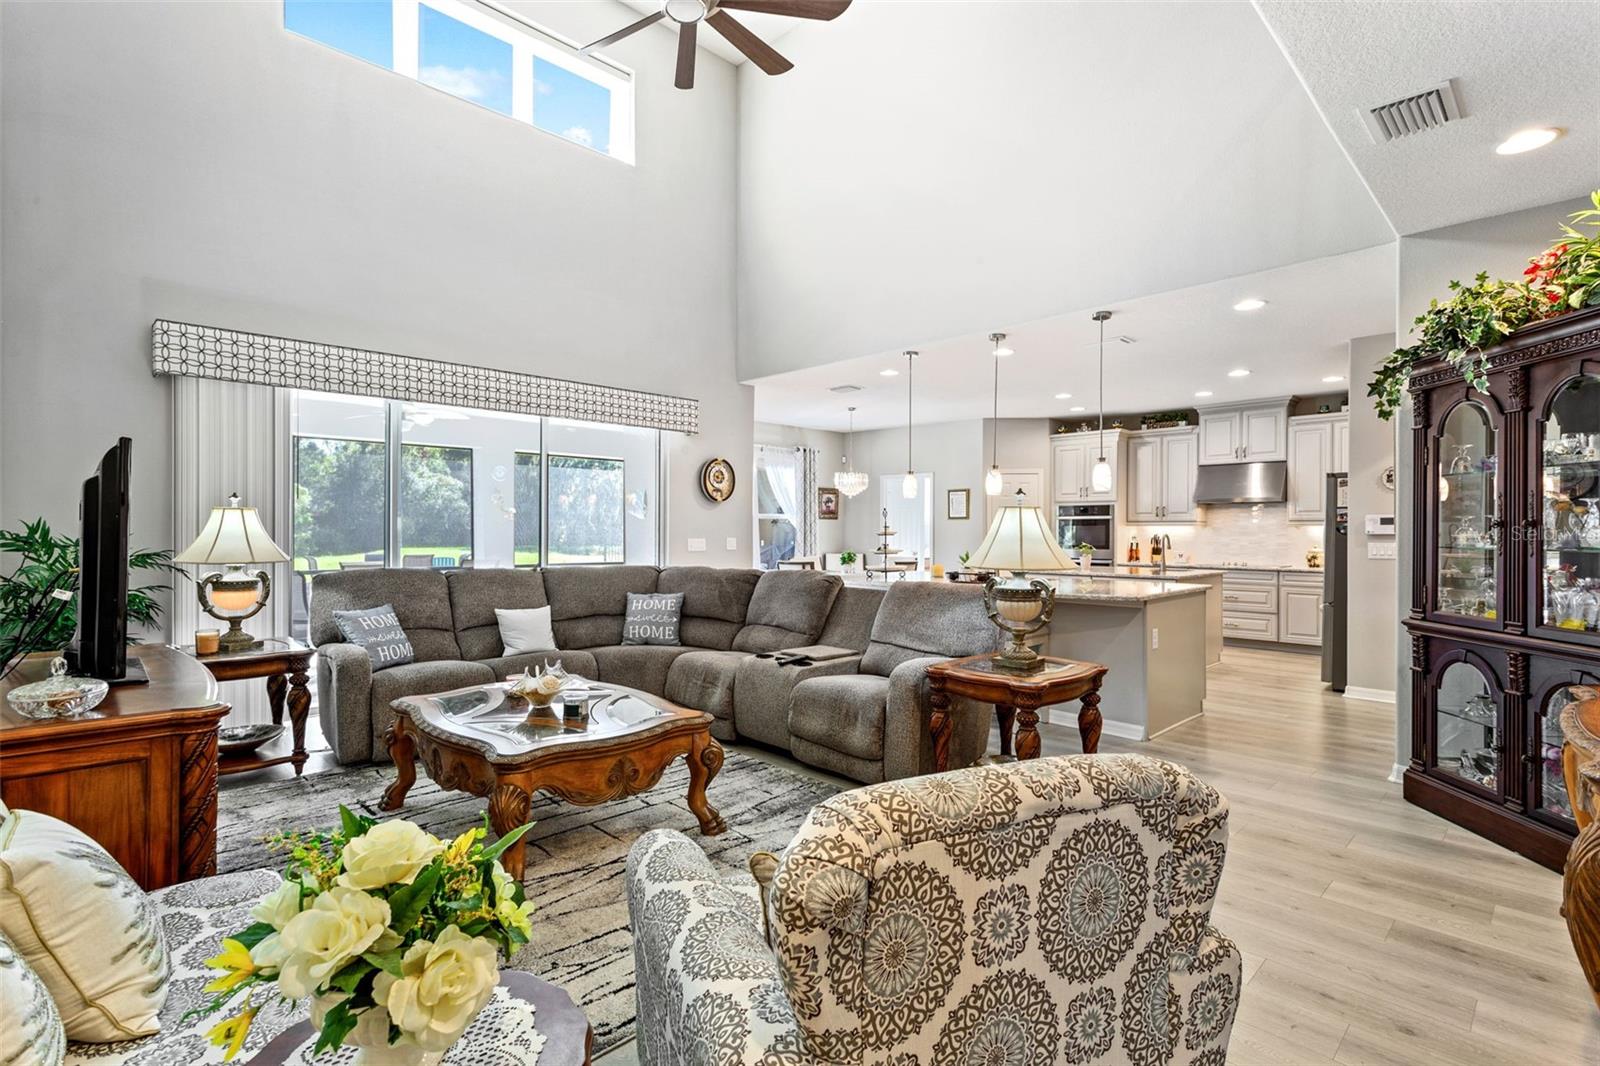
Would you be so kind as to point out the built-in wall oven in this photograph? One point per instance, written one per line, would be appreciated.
(1086, 523)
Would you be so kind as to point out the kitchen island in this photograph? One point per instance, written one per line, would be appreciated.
(1211, 579)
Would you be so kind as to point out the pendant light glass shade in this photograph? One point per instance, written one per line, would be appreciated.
(850, 481)
(993, 483)
(908, 487)
(1100, 476)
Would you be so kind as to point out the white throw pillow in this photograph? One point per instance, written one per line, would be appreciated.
(83, 925)
(525, 630)
(30, 1027)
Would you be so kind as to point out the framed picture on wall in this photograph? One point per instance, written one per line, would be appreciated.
(828, 504)
(958, 503)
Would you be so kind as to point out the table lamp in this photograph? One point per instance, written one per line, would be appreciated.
(1019, 540)
(233, 537)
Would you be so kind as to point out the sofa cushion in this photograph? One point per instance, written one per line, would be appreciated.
(843, 712)
(587, 603)
(421, 601)
(474, 596)
(715, 602)
(417, 679)
(704, 680)
(640, 666)
(925, 618)
(573, 662)
(787, 609)
(849, 623)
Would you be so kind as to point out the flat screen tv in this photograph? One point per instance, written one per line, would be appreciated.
(99, 645)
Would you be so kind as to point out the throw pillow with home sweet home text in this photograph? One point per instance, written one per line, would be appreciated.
(652, 618)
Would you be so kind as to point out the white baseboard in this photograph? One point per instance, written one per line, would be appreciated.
(1370, 695)
(1125, 730)
(1398, 773)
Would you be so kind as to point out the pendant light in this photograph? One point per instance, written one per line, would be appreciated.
(908, 487)
(993, 482)
(1100, 476)
(850, 481)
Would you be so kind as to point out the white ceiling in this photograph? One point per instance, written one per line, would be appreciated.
(1515, 65)
(767, 27)
(1185, 341)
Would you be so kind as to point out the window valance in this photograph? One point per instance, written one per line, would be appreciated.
(187, 350)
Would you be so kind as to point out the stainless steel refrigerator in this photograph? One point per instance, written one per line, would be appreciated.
(1335, 582)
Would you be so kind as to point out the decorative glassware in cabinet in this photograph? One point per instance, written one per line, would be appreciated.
(1553, 796)
(1466, 727)
(1570, 534)
(1469, 525)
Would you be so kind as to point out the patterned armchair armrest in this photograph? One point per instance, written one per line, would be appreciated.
(344, 700)
(1205, 992)
(709, 988)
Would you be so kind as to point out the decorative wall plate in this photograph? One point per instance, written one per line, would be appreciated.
(716, 480)
(1386, 479)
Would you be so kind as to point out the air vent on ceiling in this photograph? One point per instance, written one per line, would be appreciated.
(1426, 110)
(845, 388)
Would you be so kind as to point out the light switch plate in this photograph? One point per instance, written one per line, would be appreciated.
(697, 544)
(733, 544)
(1380, 549)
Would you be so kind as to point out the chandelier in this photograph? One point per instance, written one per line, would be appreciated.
(850, 481)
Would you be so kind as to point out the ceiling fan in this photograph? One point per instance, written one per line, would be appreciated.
(688, 14)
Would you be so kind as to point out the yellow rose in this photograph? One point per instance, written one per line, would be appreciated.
(390, 853)
(281, 904)
(317, 942)
(442, 987)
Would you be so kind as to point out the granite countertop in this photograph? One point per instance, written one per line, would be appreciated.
(1299, 568)
(1120, 592)
(1146, 572)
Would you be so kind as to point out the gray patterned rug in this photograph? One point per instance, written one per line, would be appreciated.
(576, 855)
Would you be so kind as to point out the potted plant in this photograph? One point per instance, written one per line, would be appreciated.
(393, 935)
(847, 562)
(1085, 554)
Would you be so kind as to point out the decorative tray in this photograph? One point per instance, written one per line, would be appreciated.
(241, 739)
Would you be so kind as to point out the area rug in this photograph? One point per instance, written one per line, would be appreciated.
(576, 855)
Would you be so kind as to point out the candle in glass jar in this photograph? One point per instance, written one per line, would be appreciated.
(207, 641)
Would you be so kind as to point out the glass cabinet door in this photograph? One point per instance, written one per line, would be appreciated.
(1467, 552)
(1467, 726)
(1570, 529)
(1550, 783)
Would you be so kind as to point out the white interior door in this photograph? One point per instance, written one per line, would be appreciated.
(912, 520)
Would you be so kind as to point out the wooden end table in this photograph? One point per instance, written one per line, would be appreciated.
(483, 740)
(1016, 698)
(568, 1038)
(286, 664)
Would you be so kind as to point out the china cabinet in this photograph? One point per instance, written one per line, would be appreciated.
(1505, 596)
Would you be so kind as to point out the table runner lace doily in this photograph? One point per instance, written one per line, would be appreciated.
(503, 1034)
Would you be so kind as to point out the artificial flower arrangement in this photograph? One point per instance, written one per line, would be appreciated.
(392, 933)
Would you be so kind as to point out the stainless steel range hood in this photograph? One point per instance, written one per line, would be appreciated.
(1242, 483)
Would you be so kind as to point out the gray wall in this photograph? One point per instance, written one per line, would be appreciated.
(953, 453)
(198, 162)
(1372, 589)
(1428, 262)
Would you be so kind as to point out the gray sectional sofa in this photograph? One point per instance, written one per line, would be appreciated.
(859, 710)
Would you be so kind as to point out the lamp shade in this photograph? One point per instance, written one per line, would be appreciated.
(232, 535)
(1019, 539)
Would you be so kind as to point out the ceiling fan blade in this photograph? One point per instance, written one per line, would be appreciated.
(755, 49)
(799, 9)
(626, 31)
(685, 78)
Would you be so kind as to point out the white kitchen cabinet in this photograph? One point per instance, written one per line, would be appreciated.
(1315, 443)
(1245, 433)
(1161, 476)
(1300, 613)
(1073, 459)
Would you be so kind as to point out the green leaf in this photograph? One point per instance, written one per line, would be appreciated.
(348, 978)
(254, 934)
(495, 849)
(407, 902)
(387, 961)
(337, 1024)
(353, 825)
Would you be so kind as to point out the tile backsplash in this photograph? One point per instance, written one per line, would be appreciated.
(1235, 533)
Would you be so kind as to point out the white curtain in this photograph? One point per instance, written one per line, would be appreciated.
(232, 437)
(808, 501)
(782, 466)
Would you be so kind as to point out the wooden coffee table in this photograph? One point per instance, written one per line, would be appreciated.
(487, 742)
(1016, 698)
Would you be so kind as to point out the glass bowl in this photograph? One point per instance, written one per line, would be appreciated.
(58, 696)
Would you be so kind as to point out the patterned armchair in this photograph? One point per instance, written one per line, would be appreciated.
(1056, 910)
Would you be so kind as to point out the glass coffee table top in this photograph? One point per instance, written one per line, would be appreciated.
(489, 718)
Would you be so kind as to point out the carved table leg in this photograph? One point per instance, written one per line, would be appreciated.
(1089, 721)
(1027, 732)
(1007, 716)
(277, 685)
(299, 707)
(939, 723)
(705, 759)
(508, 810)
(403, 750)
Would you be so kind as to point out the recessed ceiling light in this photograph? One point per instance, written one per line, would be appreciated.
(1074, 410)
(890, 373)
(1239, 373)
(1250, 304)
(1063, 395)
(1331, 378)
(1527, 140)
(1203, 393)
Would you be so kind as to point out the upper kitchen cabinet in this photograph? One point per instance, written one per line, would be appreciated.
(1245, 433)
(1318, 446)
(1073, 456)
(1162, 465)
